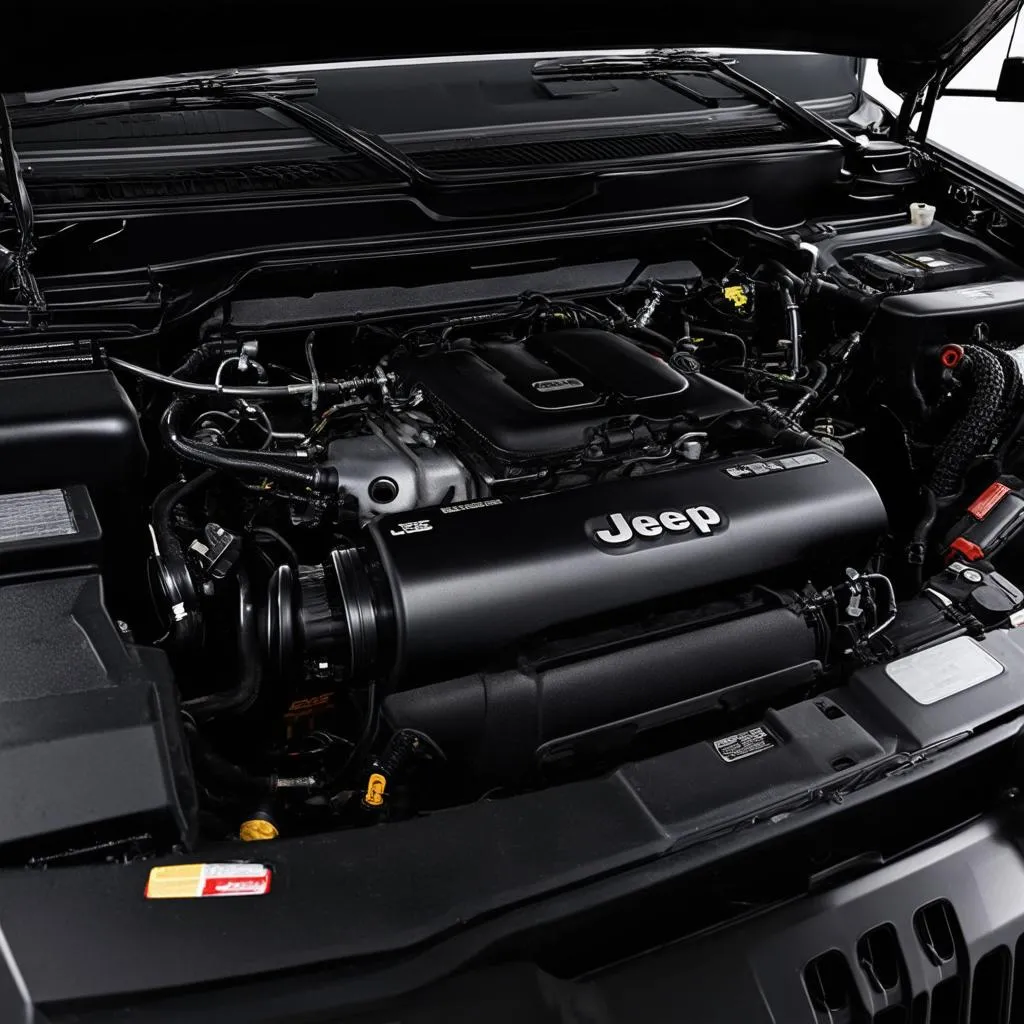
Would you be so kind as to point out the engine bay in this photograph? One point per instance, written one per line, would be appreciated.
(408, 560)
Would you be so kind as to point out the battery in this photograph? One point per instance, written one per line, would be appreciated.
(925, 270)
(992, 520)
(42, 530)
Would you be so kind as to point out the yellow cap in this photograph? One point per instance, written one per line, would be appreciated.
(375, 786)
(256, 829)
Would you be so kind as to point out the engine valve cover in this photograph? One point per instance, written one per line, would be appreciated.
(550, 394)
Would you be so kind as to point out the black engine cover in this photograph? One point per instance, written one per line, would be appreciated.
(551, 393)
(467, 580)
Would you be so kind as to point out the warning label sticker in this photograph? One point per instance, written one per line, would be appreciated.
(744, 744)
(190, 881)
(944, 670)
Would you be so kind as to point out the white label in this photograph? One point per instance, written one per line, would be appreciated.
(404, 529)
(468, 506)
(744, 744)
(943, 671)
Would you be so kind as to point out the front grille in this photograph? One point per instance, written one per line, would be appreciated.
(956, 992)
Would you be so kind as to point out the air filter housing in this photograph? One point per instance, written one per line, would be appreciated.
(67, 428)
(47, 529)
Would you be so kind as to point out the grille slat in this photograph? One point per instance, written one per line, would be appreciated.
(190, 183)
(352, 169)
(619, 147)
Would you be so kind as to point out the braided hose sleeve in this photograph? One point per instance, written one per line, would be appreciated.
(976, 427)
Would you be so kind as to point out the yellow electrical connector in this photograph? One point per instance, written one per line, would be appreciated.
(375, 786)
(737, 295)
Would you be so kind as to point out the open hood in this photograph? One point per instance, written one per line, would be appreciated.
(115, 39)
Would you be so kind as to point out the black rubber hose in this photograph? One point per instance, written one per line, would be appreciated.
(250, 666)
(913, 387)
(654, 339)
(163, 512)
(203, 354)
(782, 430)
(211, 767)
(782, 382)
(313, 478)
(977, 426)
(818, 372)
(855, 298)
(783, 271)
(714, 333)
(284, 544)
(917, 550)
(177, 584)
(791, 312)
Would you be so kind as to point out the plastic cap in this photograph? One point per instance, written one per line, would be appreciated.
(952, 356)
(257, 829)
(921, 215)
(967, 549)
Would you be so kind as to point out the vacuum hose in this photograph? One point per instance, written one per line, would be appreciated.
(250, 665)
(274, 467)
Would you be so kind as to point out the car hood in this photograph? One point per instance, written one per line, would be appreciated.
(49, 44)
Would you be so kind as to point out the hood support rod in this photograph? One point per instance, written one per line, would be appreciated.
(918, 99)
(17, 194)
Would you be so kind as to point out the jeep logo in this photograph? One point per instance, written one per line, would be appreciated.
(701, 518)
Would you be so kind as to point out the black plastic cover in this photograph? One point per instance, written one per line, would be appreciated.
(976, 681)
(949, 314)
(917, 271)
(503, 723)
(550, 394)
(91, 746)
(67, 428)
(468, 579)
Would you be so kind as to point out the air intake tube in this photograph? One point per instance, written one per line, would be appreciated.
(597, 690)
(432, 594)
(330, 612)
(504, 724)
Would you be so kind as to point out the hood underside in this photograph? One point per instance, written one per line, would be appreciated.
(116, 39)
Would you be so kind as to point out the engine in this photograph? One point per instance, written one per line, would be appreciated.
(518, 415)
(400, 563)
(508, 491)
(520, 535)
(581, 476)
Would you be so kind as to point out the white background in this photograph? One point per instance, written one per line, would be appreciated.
(988, 133)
